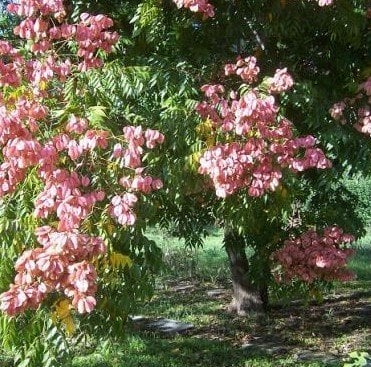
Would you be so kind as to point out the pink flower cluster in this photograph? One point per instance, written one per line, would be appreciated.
(356, 109)
(246, 69)
(21, 149)
(61, 264)
(31, 8)
(121, 208)
(281, 81)
(313, 256)
(63, 195)
(337, 110)
(131, 157)
(90, 35)
(263, 142)
(136, 139)
(63, 261)
(197, 6)
(9, 65)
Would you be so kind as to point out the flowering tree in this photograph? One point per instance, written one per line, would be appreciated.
(249, 148)
(84, 180)
(253, 147)
(81, 178)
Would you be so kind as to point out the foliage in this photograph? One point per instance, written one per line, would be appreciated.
(360, 186)
(54, 180)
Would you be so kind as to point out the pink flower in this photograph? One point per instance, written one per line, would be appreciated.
(281, 82)
(77, 125)
(117, 151)
(336, 111)
(74, 150)
(247, 69)
(312, 256)
(197, 6)
(84, 304)
(153, 137)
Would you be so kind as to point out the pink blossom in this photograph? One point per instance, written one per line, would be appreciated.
(359, 105)
(117, 151)
(264, 143)
(336, 111)
(281, 81)
(313, 256)
(76, 125)
(153, 137)
(324, 2)
(197, 6)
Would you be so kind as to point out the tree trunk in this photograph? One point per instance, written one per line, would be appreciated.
(247, 297)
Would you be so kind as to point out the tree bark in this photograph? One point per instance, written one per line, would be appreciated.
(247, 296)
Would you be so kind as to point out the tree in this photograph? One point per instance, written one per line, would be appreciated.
(179, 48)
(66, 217)
(152, 78)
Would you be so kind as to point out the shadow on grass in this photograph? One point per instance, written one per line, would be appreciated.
(151, 351)
(218, 338)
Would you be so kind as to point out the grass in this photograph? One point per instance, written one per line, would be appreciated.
(217, 338)
(335, 327)
(180, 352)
(361, 261)
(208, 263)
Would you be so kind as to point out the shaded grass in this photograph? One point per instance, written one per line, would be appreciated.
(361, 261)
(180, 352)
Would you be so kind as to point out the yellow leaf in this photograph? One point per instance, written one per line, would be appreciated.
(43, 85)
(119, 260)
(193, 160)
(110, 228)
(88, 225)
(204, 128)
(62, 313)
(210, 141)
(69, 325)
(54, 318)
(62, 309)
